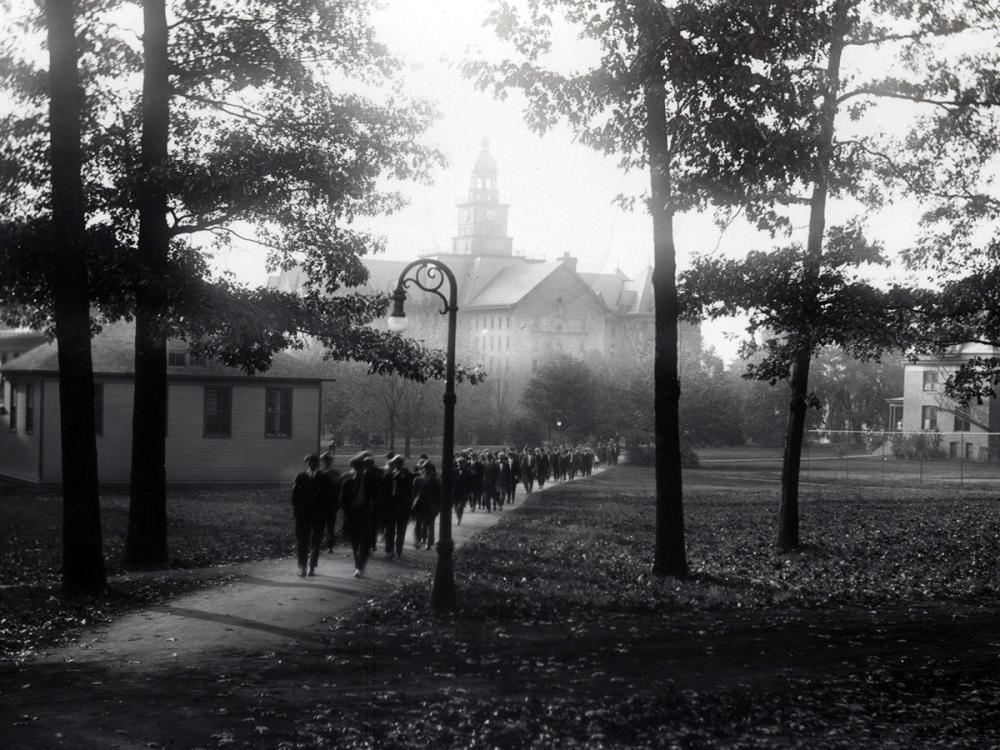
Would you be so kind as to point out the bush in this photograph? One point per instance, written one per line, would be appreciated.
(922, 445)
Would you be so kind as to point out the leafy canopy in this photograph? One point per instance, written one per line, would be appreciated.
(285, 116)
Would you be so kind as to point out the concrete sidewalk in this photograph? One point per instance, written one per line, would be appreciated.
(267, 605)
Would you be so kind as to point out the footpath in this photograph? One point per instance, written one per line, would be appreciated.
(266, 605)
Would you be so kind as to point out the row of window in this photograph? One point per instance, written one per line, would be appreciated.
(495, 344)
(217, 412)
(492, 321)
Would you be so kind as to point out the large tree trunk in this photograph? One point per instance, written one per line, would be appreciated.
(670, 556)
(146, 544)
(788, 510)
(83, 553)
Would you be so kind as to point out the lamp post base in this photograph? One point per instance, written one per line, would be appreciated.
(443, 589)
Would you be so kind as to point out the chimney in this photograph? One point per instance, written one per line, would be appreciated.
(568, 261)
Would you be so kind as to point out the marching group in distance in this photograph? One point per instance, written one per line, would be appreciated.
(381, 501)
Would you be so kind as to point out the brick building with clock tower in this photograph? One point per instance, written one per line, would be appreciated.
(516, 313)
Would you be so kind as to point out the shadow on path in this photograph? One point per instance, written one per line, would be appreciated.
(302, 585)
(241, 622)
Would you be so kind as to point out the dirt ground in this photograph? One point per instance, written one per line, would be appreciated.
(271, 660)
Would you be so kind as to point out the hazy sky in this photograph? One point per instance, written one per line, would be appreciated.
(560, 192)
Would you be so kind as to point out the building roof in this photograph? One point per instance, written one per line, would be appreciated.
(113, 352)
(608, 286)
(512, 283)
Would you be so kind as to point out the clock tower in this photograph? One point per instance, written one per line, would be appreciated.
(482, 218)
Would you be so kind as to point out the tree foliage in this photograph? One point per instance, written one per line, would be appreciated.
(284, 117)
(563, 391)
(818, 300)
(697, 93)
(268, 122)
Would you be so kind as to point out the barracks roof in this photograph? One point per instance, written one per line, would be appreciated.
(113, 352)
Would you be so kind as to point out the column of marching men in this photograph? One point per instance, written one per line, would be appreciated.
(378, 503)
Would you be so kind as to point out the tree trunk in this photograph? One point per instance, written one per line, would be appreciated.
(788, 510)
(83, 553)
(670, 556)
(146, 543)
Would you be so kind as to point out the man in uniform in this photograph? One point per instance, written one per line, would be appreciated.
(491, 481)
(358, 492)
(527, 470)
(460, 479)
(541, 467)
(329, 482)
(426, 503)
(397, 506)
(310, 518)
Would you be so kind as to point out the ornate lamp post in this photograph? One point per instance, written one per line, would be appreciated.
(430, 275)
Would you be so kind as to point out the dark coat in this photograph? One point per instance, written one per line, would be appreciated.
(401, 495)
(329, 489)
(426, 496)
(306, 496)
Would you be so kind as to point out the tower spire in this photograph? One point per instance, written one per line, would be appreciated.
(482, 218)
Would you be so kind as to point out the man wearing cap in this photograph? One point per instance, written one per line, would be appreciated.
(460, 487)
(310, 519)
(398, 506)
(491, 480)
(527, 469)
(541, 467)
(357, 492)
(426, 503)
(329, 482)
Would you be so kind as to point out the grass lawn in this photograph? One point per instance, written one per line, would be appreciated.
(880, 632)
(206, 528)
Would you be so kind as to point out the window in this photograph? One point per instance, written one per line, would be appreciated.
(534, 365)
(218, 411)
(928, 417)
(278, 412)
(962, 423)
(13, 408)
(508, 321)
(98, 408)
(177, 358)
(29, 408)
(930, 380)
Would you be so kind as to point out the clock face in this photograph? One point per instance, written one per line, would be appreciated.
(491, 215)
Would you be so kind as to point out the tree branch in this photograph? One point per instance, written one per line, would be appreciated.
(916, 98)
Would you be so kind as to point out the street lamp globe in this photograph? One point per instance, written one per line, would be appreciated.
(398, 323)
